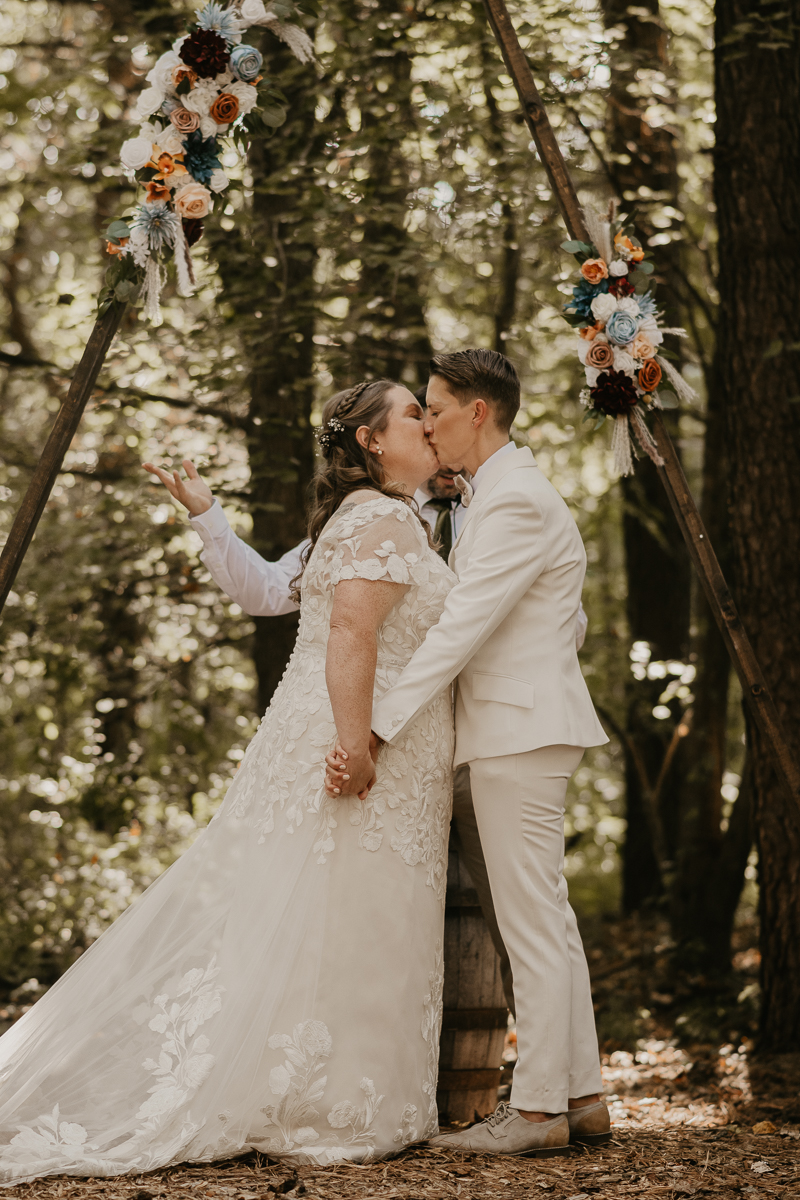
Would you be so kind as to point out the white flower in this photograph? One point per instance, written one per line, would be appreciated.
(209, 127)
(592, 375)
(135, 153)
(246, 94)
(629, 305)
(279, 1081)
(150, 101)
(218, 181)
(161, 74)
(623, 362)
(221, 81)
(618, 268)
(171, 141)
(314, 1038)
(603, 306)
(649, 327)
(342, 1115)
(201, 97)
(176, 45)
(305, 1135)
(254, 11)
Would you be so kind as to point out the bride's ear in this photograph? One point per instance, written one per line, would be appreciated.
(362, 436)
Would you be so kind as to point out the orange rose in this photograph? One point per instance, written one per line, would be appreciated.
(112, 248)
(156, 191)
(224, 109)
(600, 356)
(181, 73)
(642, 347)
(650, 376)
(594, 269)
(627, 249)
(591, 331)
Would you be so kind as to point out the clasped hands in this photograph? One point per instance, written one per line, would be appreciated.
(352, 773)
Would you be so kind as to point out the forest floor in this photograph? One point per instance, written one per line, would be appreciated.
(694, 1112)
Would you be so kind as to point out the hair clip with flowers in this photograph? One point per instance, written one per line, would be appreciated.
(328, 436)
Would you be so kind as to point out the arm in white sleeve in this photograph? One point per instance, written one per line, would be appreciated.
(508, 554)
(259, 587)
(583, 625)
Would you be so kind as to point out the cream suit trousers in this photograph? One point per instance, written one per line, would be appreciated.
(519, 808)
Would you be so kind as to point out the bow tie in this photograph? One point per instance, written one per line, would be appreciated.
(465, 490)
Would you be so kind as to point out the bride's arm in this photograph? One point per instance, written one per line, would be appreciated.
(261, 588)
(360, 607)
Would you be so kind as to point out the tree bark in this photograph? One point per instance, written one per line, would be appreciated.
(642, 168)
(268, 273)
(757, 165)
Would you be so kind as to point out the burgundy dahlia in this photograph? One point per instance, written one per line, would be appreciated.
(206, 53)
(613, 393)
(621, 286)
(192, 230)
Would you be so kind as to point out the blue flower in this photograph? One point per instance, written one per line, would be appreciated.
(621, 328)
(647, 304)
(159, 222)
(246, 63)
(221, 21)
(200, 156)
(582, 297)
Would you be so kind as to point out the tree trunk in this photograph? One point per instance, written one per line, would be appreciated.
(642, 168)
(386, 305)
(757, 165)
(269, 280)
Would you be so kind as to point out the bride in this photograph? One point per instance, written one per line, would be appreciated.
(279, 987)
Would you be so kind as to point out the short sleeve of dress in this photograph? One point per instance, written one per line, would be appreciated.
(378, 539)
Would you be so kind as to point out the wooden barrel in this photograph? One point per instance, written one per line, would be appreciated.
(475, 1012)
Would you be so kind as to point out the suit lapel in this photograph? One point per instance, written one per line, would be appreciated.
(497, 471)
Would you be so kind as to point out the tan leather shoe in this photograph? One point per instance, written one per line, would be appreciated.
(506, 1132)
(590, 1125)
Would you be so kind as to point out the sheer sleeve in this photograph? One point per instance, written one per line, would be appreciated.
(375, 539)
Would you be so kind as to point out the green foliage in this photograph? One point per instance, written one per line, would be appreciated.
(398, 208)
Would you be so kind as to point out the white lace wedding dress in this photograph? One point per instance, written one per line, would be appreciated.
(279, 987)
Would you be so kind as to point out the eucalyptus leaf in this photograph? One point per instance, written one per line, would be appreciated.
(576, 247)
(668, 400)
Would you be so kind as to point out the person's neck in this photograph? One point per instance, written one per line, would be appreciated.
(486, 444)
(408, 486)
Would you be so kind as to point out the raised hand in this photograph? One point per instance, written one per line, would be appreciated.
(193, 493)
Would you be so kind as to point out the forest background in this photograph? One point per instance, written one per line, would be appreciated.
(399, 210)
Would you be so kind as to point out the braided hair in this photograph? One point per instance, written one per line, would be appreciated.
(346, 465)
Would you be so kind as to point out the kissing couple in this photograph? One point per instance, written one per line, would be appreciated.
(279, 987)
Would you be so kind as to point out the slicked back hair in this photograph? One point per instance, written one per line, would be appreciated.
(481, 375)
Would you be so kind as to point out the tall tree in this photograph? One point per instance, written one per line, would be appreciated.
(268, 272)
(757, 165)
(642, 168)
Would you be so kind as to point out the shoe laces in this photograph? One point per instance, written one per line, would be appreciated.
(500, 1114)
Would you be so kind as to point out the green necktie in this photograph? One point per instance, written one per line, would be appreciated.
(443, 530)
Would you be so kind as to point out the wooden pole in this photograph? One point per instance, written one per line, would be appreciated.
(700, 549)
(62, 433)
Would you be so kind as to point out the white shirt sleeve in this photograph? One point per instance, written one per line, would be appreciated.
(583, 625)
(259, 587)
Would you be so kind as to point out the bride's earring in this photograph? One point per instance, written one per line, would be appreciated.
(378, 450)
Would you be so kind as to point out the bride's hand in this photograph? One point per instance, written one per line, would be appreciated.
(350, 774)
(193, 493)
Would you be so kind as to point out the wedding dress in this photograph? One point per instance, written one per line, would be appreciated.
(279, 987)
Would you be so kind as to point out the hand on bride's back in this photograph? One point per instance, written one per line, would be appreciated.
(193, 493)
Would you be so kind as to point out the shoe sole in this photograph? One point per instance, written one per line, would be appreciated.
(536, 1152)
(590, 1139)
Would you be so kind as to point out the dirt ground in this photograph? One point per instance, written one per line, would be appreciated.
(694, 1110)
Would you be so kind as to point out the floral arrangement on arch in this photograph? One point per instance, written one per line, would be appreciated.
(620, 337)
(207, 87)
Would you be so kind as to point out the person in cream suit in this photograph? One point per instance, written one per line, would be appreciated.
(523, 718)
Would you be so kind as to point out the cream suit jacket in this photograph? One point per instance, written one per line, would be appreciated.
(507, 632)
